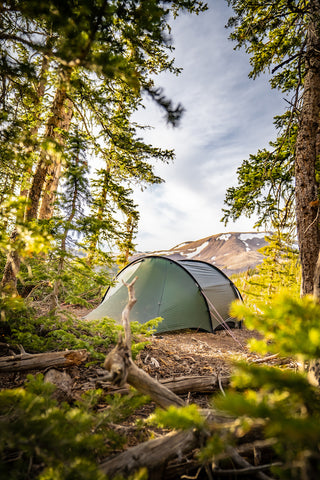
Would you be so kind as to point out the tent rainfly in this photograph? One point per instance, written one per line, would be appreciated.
(185, 293)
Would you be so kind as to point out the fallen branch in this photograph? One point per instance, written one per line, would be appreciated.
(181, 385)
(195, 384)
(241, 462)
(33, 361)
(251, 470)
(122, 369)
(153, 454)
(265, 359)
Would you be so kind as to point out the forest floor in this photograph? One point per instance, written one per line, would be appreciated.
(169, 355)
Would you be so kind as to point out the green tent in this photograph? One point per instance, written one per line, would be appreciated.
(185, 293)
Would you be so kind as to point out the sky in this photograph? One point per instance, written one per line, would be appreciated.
(227, 117)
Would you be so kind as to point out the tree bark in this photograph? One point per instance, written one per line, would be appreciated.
(12, 266)
(60, 118)
(61, 115)
(186, 384)
(307, 151)
(29, 361)
(153, 454)
(316, 285)
(54, 170)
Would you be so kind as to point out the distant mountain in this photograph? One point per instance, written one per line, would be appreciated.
(231, 252)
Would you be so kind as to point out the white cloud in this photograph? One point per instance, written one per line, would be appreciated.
(227, 117)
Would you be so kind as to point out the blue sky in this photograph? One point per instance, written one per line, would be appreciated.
(227, 117)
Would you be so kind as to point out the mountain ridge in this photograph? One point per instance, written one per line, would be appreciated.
(233, 252)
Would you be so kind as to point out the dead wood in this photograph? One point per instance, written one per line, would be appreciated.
(39, 361)
(122, 369)
(147, 385)
(156, 454)
(265, 359)
(251, 470)
(239, 461)
(195, 384)
(183, 385)
(153, 454)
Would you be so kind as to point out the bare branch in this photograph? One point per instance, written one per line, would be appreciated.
(126, 312)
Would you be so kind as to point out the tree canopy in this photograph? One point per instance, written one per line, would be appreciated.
(282, 37)
(77, 71)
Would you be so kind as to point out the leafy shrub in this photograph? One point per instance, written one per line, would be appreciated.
(42, 440)
(281, 402)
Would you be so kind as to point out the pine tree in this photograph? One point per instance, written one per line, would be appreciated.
(279, 270)
(73, 200)
(61, 66)
(284, 36)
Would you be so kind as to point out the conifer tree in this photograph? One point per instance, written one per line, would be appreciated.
(284, 36)
(73, 199)
(279, 270)
(62, 65)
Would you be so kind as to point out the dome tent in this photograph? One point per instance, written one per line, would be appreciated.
(185, 293)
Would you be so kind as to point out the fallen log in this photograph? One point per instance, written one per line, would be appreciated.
(181, 385)
(156, 455)
(39, 361)
(195, 384)
(153, 454)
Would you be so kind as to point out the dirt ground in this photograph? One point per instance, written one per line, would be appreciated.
(174, 354)
(194, 353)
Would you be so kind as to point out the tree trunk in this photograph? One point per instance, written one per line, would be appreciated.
(316, 286)
(61, 114)
(62, 253)
(12, 267)
(307, 150)
(54, 170)
(37, 110)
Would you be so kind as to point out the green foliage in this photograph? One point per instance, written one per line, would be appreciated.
(40, 439)
(72, 76)
(180, 418)
(279, 269)
(274, 34)
(147, 328)
(64, 331)
(271, 33)
(290, 326)
(266, 181)
(80, 282)
(282, 403)
(12, 307)
(32, 238)
(40, 334)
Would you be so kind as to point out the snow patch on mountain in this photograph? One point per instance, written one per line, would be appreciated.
(251, 236)
(197, 251)
(233, 252)
(224, 236)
